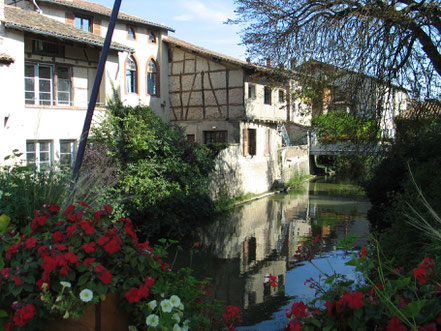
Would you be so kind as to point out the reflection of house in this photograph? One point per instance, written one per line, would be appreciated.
(56, 45)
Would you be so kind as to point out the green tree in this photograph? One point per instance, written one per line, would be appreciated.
(162, 179)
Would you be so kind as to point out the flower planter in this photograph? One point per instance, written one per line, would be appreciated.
(106, 316)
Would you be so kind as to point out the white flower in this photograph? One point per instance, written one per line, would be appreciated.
(185, 328)
(152, 320)
(65, 284)
(166, 306)
(181, 307)
(152, 304)
(176, 318)
(175, 301)
(176, 327)
(86, 295)
(186, 325)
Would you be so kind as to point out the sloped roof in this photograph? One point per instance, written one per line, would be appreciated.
(99, 9)
(5, 58)
(205, 52)
(26, 20)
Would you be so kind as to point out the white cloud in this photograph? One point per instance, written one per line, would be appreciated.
(201, 11)
(184, 18)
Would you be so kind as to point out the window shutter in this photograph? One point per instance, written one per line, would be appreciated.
(96, 27)
(245, 142)
(70, 18)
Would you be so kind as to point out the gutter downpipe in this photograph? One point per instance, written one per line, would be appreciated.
(93, 98)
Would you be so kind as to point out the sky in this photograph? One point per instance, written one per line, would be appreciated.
(199, 22)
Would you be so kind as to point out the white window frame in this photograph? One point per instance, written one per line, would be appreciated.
(37, 153)
(71, 153)
(36, 80)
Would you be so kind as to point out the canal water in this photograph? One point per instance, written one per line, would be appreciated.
(240, 250)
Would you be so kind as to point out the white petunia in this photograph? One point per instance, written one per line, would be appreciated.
(86, 295)
(176, 318)
(181, 307)
(152, 304)
(65, 284)
(176, 327)
(166, 306)
(175, 301)
(152, 320)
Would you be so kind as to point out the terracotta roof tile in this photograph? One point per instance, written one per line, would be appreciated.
(96, 8)
(26, 20)
(222, 57)
(5, 58)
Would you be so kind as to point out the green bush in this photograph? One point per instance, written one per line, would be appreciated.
(162, 179)
(23, 189)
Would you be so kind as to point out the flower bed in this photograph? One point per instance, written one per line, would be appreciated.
(65, 261)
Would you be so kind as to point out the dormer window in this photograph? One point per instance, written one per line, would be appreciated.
(152, 37)
(131, 34)
(83, 23)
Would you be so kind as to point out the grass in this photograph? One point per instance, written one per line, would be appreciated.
(296, 181)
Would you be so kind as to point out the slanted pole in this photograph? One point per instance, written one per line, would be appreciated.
(93, 97)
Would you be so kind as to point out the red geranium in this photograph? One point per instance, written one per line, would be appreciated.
(89, 247)
(24, 315)
(58, 236)
(396, 324)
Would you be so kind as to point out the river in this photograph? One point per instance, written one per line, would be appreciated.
(259, 238)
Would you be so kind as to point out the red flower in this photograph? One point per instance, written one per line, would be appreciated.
(99, 269)
(89, 248)
(30, 243)
(88, 261)
(107, 209)
(106, 277)
(132, 295)
(396, 324)
(272, 280)
(49, 264)
(5, 273)
(17, 280)
(24, 315)
(363, 252)
(112, 246)
(102, 240)
(293, 325)
(316, 239)
(149, 281)
(420, 274)
(12, 250)
(60, 247)
(70, 230)
(197, 244)
(354, 300)
(82, 203)
(329, 305)
(428, 327)
(54, 208)
(58, 236)
(42, 250)
(87, 227)
(71, 257)
(298, 310)
(98, 214)
(69, 209)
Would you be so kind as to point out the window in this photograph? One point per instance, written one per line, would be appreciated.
(46, 48)
(251, 91)
(131, 34)
(267, 95)
(67, 152)
(281, 96)
(83, 23)
(152, 37)
(268, 142)
(211, 137)
(249, 142)
(152, 78)
(39, 153)
(131, 75)
(39, 85)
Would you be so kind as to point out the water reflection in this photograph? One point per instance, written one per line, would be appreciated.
(261, 237)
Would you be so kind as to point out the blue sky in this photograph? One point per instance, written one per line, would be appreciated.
(198, 22)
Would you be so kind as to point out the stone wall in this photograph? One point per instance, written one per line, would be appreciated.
(235, 175)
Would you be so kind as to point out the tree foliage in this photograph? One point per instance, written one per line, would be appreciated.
(162, 179)
(395, 41)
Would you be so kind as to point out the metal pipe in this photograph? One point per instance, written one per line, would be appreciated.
(93, 97)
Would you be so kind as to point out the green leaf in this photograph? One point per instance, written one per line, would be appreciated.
(413, 308)
(316, 322)
(83, 279)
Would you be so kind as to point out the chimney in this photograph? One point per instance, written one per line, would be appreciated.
(269, 62)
